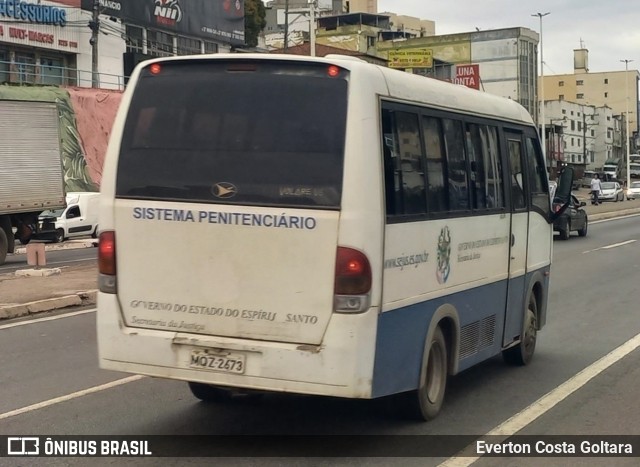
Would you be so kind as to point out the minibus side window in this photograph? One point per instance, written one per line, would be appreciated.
(392, 182)
(437, 195)
(456, 165)
(411, 165)
(484, 163)
(538, 180)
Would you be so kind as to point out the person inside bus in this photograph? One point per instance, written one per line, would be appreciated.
(596, 188)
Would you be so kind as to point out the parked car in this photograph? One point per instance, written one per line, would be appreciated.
(79, 218)
(611, 191)
(574, 218)
(633, 191)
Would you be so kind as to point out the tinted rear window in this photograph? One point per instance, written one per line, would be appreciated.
(258, 133)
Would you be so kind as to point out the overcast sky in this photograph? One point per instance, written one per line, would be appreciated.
(609, 29)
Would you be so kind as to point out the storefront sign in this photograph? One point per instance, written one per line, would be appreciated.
(411, 58)
(44, 39)
(468, 75)
(33, 12)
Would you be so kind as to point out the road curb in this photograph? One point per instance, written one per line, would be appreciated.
(613, 214)
(80, 298)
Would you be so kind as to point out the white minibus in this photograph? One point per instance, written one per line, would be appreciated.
(319, 226)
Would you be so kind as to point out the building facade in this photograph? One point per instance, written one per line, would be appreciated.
(43, 46)
(609, 88)
(52, 41)
(581, 134)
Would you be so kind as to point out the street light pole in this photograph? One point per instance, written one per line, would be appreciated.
(94, 24)
(544, 139)
(626, 119)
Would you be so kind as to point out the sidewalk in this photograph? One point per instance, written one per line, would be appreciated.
(21, 295)
(607, 209)
(77, 285)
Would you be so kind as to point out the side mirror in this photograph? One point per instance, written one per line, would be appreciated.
(562, 196)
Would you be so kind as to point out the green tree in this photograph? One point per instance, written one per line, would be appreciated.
(254, 22)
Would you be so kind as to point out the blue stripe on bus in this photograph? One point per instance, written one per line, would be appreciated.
(401, 334)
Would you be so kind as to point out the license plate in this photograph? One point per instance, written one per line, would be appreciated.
(224, 362)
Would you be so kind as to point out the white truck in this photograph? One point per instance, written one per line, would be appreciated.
(615, 169)
(31, 169)
(78, 219)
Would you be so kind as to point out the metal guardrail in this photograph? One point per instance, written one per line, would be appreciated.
(21, 73)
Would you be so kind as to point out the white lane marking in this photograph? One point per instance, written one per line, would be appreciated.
(547, 402)
(68, 397)
(48, 318)
(615, 245)
(618, 244)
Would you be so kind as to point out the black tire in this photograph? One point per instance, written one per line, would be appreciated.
(566, 232)
(216, 394)
(208, 393)
(59, 238)
(425, 402)
(95, 233)
(522, 354)
(4, 245)
(583, 231)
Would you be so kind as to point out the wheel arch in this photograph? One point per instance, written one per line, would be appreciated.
(538, 290)
(446, 317)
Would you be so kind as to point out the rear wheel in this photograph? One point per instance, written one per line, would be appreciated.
(208, 393)
(4, 245)
(566, 232)
(425, 402)
(522, 353)
(583, 231)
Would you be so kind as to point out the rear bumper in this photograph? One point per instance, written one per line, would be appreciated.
(342, 366)
(560, 223)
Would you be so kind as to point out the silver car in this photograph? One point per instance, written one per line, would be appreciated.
(633, 191)
(611, 191)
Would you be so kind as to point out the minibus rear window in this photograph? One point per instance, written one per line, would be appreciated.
(266, 133)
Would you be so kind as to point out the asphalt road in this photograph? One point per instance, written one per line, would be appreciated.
(592, 311)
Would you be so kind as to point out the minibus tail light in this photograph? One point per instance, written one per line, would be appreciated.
(107, 262)
(333, 71)
(352, 281)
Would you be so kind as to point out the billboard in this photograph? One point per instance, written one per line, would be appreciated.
(221, 20)
(411, 58)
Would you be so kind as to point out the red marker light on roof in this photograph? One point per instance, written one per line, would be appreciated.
(333, 71)
(155, 69)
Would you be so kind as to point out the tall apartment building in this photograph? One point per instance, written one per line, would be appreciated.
(608, 88)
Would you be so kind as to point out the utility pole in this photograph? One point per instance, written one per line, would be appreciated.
(312, 28)
(94, 25)
(286, 25)
(584, 137)
(626, 118)
(544, 139)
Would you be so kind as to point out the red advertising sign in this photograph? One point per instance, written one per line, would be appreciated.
(468, 75)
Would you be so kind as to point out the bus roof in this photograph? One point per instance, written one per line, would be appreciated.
(401, 85)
